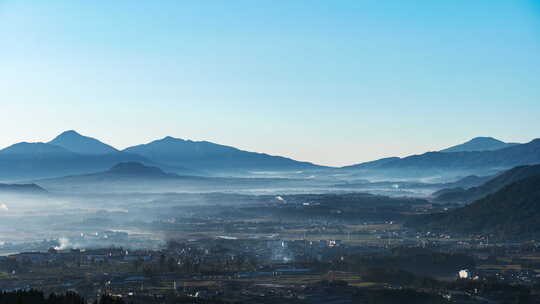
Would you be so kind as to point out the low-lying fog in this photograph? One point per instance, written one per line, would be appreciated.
(96, 211)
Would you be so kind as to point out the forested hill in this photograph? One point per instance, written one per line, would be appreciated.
(491, 186)
(512, 213)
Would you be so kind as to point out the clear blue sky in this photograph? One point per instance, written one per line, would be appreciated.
(333, 82)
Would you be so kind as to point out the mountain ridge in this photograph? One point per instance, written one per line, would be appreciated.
(211, 156)
(27, 148)
(59, 157)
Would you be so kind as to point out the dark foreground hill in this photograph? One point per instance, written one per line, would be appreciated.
(513, 212)
(460, 194)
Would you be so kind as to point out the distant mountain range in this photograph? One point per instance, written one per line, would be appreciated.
(459, 163)
(480, 144)
(512, 212)
(476, 144)
(40, 160)
(71, 153)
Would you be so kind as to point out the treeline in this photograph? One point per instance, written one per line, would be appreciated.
(506, 293)
(404, 296)
(37, 297)
(398, 277)
(416, 260)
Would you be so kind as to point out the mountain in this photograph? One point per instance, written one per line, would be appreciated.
(479, 144)
(71, 153)
(493, 185)
(17, 167)
(130, 172)
(21, 189)
(40, 160)
(512, 212)
(204, 155)
(123, 177)
(75, 142)
(135, 169)
(458, 163)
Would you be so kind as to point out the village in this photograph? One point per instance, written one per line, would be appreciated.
(291, 270)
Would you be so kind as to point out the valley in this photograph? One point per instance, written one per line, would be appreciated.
(153, 225)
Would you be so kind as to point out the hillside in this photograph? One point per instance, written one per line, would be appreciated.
(469, 181)
(512, 212)
(204, 155)
(494, 184)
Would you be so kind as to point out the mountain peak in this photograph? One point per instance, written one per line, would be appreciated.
(482, 143)
(69, 133)
(485, 139)
(173, 140)
(75, 142)
(170, 139)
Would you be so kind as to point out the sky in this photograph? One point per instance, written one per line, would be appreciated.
(332, 82)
